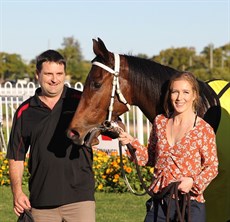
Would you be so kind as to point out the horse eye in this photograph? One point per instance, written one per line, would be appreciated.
(96, 85)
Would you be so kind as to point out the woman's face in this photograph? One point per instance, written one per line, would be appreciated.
(182, 96)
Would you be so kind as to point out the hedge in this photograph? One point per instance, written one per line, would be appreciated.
(107, 173)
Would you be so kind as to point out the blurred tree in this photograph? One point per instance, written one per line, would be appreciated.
(211, 63)
(142, 55)
(225, 61)
(207, 55)
(12, 67)
(76, 68)
(178, 58)
(31, 68)
(216, 61)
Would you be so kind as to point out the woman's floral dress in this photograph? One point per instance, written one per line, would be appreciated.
(195, 156)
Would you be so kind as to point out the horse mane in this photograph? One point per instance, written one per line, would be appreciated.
(149, 77)
(145, 69)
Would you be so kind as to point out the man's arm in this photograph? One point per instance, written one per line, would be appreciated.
(21, 201)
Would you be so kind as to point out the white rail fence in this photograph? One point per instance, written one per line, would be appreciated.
(12, 96)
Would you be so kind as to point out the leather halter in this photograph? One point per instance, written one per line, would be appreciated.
(116, 86)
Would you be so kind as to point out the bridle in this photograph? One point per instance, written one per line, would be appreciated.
(116, 86)
(108, 124)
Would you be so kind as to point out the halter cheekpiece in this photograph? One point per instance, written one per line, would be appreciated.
(116, 86)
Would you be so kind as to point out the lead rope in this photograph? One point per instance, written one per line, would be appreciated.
(172, 189)
(124, 175)
(185, 202)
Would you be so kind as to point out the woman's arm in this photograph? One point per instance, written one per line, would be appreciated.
(145, 155)
(209, 162)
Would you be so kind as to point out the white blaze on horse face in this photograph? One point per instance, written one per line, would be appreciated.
(182, 96)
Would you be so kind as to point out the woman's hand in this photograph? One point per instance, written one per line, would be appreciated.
(125, 138)
(185, 185)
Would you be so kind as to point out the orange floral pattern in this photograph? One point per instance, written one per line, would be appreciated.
(195, 156)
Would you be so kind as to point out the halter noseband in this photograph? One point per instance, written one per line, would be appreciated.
(116, 86)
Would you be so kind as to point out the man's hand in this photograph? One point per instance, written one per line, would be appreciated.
(21, 202)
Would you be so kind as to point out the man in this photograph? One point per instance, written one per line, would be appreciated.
(62, 183)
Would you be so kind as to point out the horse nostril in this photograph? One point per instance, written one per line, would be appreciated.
(75, 137)
(72, 134)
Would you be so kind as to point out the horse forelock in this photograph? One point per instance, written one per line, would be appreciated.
(98, 59)
(106, 60)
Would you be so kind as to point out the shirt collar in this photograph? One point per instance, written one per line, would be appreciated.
(35, 101)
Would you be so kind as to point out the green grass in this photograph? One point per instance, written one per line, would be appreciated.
(6, 205)
(110, 207)
(124, 207)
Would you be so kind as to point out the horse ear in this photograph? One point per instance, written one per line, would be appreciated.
(100, 49)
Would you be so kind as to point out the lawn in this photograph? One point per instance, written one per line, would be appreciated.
(110, 207)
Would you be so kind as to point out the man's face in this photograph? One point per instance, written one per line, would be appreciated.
(51, 78)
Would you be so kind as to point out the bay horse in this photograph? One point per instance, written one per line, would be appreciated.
(117, 81)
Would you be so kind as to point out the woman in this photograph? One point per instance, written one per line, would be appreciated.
(181, 148)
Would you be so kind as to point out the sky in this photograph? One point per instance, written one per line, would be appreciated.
(29, 27)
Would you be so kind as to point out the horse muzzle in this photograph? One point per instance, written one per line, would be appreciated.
(75, 137)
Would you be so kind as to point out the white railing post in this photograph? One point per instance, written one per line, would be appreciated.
(140, 134)
(7, 119)
(11, 97)
(79, 86)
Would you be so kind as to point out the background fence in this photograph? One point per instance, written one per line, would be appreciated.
(11, 96)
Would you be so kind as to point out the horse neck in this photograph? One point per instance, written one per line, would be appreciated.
(149, 110)
(148, 99)
(148, 83)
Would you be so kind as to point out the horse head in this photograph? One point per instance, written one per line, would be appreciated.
(96, 98)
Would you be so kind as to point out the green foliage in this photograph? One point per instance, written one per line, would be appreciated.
(202, 74)
(180, 58)
(107, 173)
(76, 68)
(108, 177)
(11, 67)
(31, 70)
(4, 171)
(211, 63)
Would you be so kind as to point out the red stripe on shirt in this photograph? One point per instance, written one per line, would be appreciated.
(23, 108)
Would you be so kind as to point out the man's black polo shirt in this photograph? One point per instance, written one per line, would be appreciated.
(61, 172)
